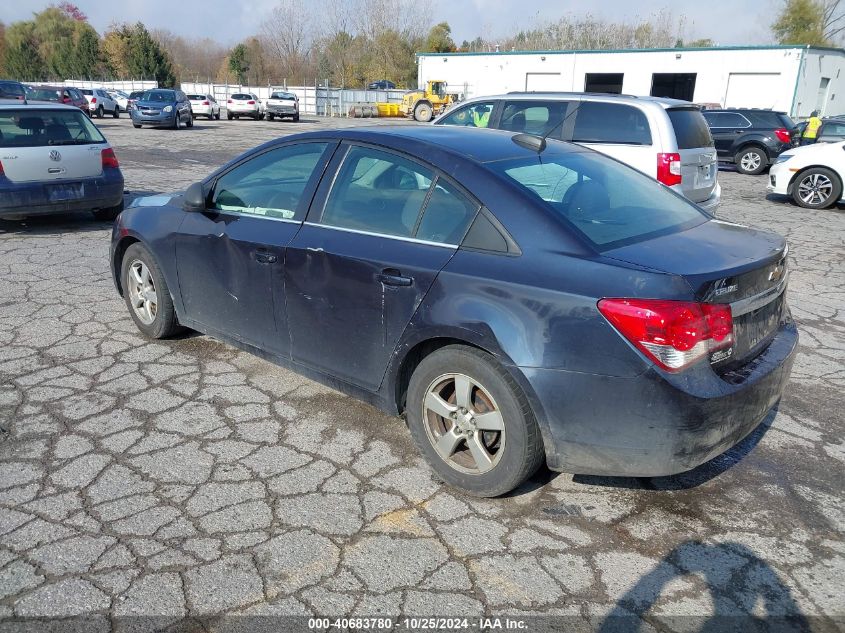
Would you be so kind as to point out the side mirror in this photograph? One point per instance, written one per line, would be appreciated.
(194, 199)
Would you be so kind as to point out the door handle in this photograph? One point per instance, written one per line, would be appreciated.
(265, 258)
(392, 277)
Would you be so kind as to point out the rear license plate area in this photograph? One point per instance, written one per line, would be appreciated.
(703, 175)
(754, 331)
(65, 192)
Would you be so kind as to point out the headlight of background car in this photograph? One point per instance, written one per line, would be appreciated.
(168, 108)
(783, 158)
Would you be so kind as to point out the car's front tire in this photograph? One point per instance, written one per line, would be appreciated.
(116, 112)
(751, 160)
(137, 126)
(817, 188)
(146, 293)
(472, 422)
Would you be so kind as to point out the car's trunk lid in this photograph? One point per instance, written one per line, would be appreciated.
(699, 166)
(725, 263)
(52, 162)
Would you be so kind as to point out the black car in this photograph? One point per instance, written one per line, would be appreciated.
(12, 90)
(751, 138)
(518, 301)
(384, 84)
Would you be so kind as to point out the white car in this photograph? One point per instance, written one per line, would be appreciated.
(100, 102)
(204, 105)
(282, 104)
(54, 160)
(121, 98)
(244, 104)
(812, 174)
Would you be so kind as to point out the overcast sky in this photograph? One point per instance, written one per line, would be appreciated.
(229, 21)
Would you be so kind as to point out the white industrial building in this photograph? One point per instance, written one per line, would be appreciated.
(793, 79)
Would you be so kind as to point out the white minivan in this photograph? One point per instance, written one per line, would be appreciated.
(667, 139)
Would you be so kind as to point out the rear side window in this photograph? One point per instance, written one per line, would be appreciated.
(377, 192)
(612, 123)
(475, 115)
(37, 128)
(609, 203)
(533, 117)
(691, 129)
(725, 120)
(447, 215)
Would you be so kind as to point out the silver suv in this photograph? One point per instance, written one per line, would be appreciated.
(666, 139)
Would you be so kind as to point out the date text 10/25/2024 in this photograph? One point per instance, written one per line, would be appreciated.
(417, 624)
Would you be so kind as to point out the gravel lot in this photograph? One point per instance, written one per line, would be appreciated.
(186, 478)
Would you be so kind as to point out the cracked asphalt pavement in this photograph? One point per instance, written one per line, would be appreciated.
(185, 478)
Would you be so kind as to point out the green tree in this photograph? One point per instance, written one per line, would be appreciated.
(85, 59)
(2, 50)
(146, 59)
(239, 63)
(810, 22)
(23, 60)
(439, 39)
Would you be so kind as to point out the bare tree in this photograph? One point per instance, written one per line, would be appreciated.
(288, 36)
(833, 16)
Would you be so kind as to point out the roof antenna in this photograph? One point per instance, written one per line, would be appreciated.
(537, 143)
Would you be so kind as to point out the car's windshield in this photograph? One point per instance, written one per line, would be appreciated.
(163, 96)
(11, 90)
(34, 128)
(609, 203)
(196, 97)
(282, 95)
(136, 95)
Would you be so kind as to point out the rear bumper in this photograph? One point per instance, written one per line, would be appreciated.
(282, 110)
(202, 110)
(712, 203)
(656, 423)
(102, 192)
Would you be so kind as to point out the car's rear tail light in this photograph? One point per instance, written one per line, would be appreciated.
(783, 135)
(109, 159)
(1, 168)
(674, 334)
(65, 99)
(93, 99)
(229, 101)
(206, 103)
(251, 102)
(669, 169)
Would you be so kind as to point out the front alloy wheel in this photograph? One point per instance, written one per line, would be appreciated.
(817, 188)
(751, 161)
(142, 292)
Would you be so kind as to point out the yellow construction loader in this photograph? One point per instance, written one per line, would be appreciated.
(423, 105)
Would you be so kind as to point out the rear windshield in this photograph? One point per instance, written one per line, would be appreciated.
(282, 95)
(691, 129)
(45, 94)
(607, 202)
(196, 97)
(36, 128)
(241, 97)
(163, 96)
(11, 90)
(87, 91)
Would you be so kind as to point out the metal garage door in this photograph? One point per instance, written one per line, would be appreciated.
(753, 90)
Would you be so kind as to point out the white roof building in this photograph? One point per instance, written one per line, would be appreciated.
(793, 79)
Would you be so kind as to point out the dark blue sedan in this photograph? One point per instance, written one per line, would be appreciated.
(517, 305)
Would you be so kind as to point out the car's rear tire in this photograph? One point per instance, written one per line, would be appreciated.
(146, 293)
(217, 116)
(816, 188)
(229, 116)
(270, 116)
(472, 422)
(260, 116)
(751, 160)
(116, 112)
(296, 118)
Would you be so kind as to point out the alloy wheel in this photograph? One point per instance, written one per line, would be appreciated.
(751, 161)
(142, 292)
(463, 423)
(815, 189)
